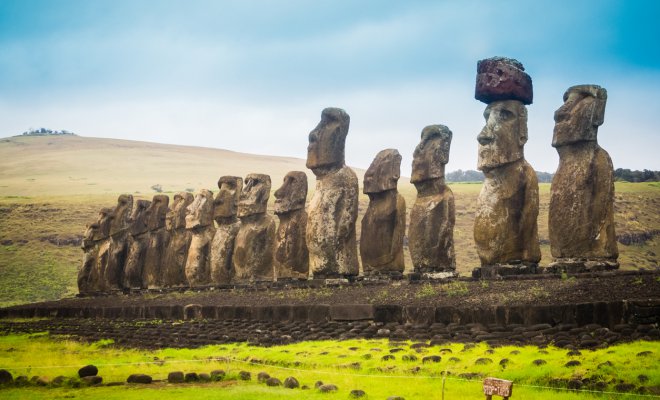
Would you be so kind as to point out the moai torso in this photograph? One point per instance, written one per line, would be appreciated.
(291, 253)
(138, 241)
(384, 222)
(95, 245)
(432, 218)
(505, 227)
(176, 254)
(254, 246)
(119, 241)
(152, 273)
(224, 213)
(581, 215)
(199, 221)
(332, 212)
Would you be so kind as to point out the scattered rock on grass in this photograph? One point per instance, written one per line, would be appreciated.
(262, 376)
(5, 377)
(175, 377)
(88, 370)
(329, 387)
(572, 363)
(92, 380)
(244, 375)
(291, 383)
(272, 381)
(191, 377)
(357, 393)
(539, 362)
(139, 378)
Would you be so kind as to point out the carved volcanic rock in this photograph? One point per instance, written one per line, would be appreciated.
(500, 78)
(158, 240)
(581, 214)
(176, 254)
(384, 223)
(119, 242)
(333, 209)
(138, 242)
(199, 220)
(222, 247)
(291, 253)
(505, 226)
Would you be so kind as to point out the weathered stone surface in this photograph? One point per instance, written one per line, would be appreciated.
(291, 253)
(432, 218)
(139, 378)
(505, 227)
(119, 242)
(500, 78)
(581, 215)
(95, 244)
(222, 247)
(331, 236)
(384, 222)
(175, 377)
(254, 247)
(176, 254)
(138, 241)
(5, 377)
(88, 370)
(199, 220)
(158, 241)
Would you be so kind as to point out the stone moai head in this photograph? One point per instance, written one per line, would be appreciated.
(225, 204)
(383, 173)
(200, 212)
(503, 139)
(326, 142)
(139, 220)
(158, 211)
(176, 216)
(292, 194)
(121, 214)
(431, 154)
(578, 119)
(254, 196)
(101, 228)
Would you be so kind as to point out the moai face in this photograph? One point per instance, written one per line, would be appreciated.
(326, 142)
(101, 228)
(383, 173)
(140, 217)
(176, 216)
(431, 154)
(292, 194)
(254, 196)
(200, 212)
(158, 212)
(121, 214)
(226, 201)
(578, 119)
(503, 138)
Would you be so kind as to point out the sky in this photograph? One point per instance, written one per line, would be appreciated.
(253, 76)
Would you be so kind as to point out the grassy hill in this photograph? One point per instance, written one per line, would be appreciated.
(51, 186)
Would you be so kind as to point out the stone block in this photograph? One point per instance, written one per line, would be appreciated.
(351, 312)
(388, 313)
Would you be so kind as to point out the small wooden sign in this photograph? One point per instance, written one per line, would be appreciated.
(497, 387)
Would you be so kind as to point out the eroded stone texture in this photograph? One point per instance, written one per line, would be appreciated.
(505, 227)
(199, 221)
(384, 222)
(501, 78)
(118, 242)
(331, 237)
(433, 216)
(291, 253)
(581, 215)
(159, 236)
(95, 245)
(224, 214)
(174, 260)
(138, 242)
(255, 242)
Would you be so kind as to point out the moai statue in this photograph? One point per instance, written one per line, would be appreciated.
(224, 213)
(152, 273)
(95, 244)
(291, 254)
(331, 236)
(138, 241)
(432, 218)
(581, 218)
(119, 242)
(384, 223)
(199, 220)
(505, 226)
(174, 260)
(255, 241)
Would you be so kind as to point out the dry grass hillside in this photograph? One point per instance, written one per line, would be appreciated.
(51, 186)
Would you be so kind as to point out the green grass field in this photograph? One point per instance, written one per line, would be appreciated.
(354, 364)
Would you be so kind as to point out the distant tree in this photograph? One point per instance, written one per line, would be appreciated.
(157, 188)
